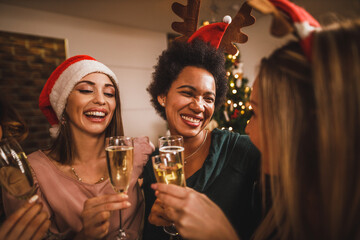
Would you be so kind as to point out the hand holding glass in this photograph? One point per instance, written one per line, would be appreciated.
(15, 174)
(169, 166)
(119, 156)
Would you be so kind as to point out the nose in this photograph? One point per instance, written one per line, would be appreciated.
(248, 127)
(197, 105)
(99, 98)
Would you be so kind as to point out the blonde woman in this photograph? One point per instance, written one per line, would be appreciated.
(306, 125)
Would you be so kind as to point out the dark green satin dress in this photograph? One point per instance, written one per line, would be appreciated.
(229, 177)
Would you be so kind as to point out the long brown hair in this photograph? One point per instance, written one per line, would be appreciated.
(62, 149)
(287, 128)
(11, 122)
(336, 58)
(310, 126)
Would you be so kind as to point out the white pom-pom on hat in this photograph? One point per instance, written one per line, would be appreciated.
(227, 19)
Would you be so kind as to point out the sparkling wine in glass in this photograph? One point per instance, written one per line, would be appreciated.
(15, 173)
(119, 156)
(169, 166)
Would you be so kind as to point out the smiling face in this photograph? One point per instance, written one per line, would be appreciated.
(190, 101)
(91, 104)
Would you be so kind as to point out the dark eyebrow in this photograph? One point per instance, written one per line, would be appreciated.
(85, 81)
(194, 89)
(92, 83)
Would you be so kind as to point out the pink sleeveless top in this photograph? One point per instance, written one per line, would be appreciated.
(63, 198)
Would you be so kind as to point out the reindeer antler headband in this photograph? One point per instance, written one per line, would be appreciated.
(220, 35)
(298, 21)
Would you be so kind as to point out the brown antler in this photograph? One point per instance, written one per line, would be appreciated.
(190, 14)
(280, 25)
(233, 32)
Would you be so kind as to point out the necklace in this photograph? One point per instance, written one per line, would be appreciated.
(196, 150)
(80, 179)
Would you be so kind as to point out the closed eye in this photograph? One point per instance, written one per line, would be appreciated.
(186, 93)
(209, 99)
(109, 95)
(85, 91)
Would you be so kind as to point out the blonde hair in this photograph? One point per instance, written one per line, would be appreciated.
(310, 126)
(336, 58)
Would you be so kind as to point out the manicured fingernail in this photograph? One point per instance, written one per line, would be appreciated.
(128, 204)
(33, 198)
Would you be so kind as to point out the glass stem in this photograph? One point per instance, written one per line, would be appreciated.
(120, 221)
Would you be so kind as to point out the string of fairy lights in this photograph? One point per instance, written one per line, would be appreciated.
(236, 112)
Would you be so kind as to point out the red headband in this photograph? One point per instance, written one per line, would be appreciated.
(220, 35)
(299, 21)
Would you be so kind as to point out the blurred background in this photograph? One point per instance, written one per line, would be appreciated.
(127, 36)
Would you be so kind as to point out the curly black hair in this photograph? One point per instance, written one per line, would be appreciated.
(180, 55)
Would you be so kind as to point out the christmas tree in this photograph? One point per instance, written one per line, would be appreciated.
(236, 112)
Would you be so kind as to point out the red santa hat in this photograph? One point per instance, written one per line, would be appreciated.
(212, 33)
(54, 95)
(305, 24)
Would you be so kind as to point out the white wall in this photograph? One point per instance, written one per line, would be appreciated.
(130, 53)
(259, 45)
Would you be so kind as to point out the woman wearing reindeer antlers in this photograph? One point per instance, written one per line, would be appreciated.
(189, 82)
(306, 126)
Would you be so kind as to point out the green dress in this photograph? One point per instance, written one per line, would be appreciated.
(229, 177)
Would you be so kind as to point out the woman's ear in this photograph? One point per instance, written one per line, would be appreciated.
(162, 100)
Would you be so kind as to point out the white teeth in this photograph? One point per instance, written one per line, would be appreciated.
(190, 119)
(97, 114)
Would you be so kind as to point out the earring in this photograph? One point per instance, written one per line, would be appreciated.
(63, 120)
(163, 104)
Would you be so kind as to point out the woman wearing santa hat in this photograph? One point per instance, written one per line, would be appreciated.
(82, 103)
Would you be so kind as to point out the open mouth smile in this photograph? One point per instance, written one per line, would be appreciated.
(192, 121)
(95, 114)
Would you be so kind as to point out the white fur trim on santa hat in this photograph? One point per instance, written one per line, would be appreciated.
(304, 29)
(68, 79)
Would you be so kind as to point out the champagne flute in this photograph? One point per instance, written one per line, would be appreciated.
(15, 173)
(119, 156)
(169, 166)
